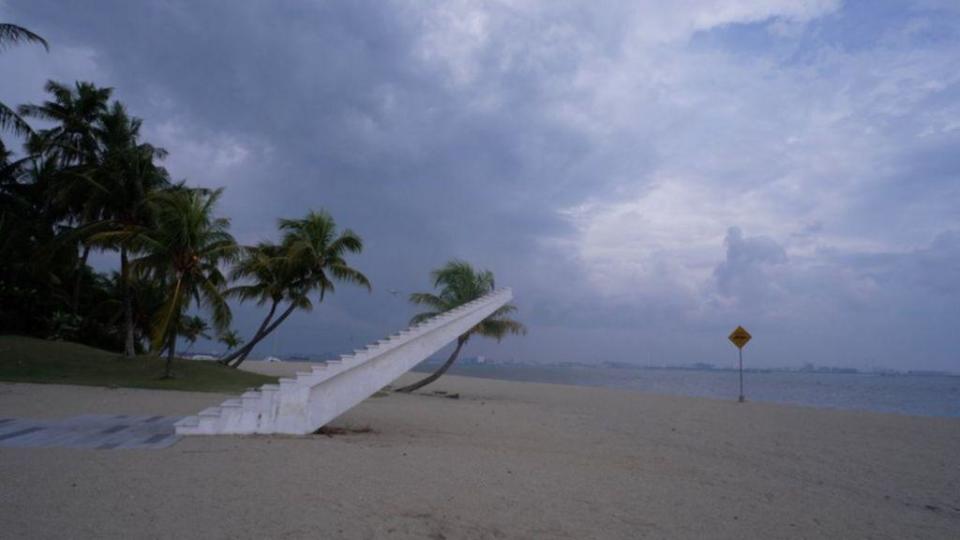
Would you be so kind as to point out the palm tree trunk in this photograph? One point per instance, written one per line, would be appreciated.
(128, 349)
(229, 357)
(171, 330)
(249, 348)
(161, 330)
(78, 282)
(438, 373)
(171, 350)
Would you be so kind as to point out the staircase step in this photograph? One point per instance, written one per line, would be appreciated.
(209, 411)
(187, 422)
(291, 406)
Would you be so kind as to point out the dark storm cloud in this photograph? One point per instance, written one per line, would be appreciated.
(592, 155)
(354, 123)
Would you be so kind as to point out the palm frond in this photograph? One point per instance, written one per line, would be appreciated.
(11, 121)
(499, 328)
(46, 111)
(11, 34)
(347, 241)
(313, 253)
(213, 298)
(302, 302)
(248, 292)
(350, 275)
(425, 316)
(459, 283)
(505, 309)
(428, 299)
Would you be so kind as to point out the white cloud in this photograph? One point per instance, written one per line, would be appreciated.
(749, 142)
(200, 155)
(469, 37)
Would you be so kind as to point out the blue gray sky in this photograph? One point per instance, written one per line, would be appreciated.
(645, 175)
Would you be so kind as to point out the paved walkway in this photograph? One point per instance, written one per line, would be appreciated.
(102, 432)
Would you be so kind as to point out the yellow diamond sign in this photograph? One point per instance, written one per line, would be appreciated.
(739, 337)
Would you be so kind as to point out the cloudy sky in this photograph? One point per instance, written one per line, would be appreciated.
(645, 175)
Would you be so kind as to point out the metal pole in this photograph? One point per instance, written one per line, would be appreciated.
(741, 373)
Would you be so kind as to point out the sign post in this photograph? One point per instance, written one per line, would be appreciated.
(740, 337)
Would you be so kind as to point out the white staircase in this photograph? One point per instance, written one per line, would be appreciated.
(313, 398)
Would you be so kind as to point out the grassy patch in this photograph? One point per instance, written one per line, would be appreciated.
(24, 359)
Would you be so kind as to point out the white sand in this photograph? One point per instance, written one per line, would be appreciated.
(507, 460)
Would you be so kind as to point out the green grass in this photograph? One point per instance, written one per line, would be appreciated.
(24, 359)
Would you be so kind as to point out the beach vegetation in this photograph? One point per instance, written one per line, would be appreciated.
(192, 328)
(119, 209)
(10, 35)
(459, 283)
(186, 249)
(230, 338)
(60, 158)
(310, 260)
(87, 182)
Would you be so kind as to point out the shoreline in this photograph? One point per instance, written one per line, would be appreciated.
(289, 368)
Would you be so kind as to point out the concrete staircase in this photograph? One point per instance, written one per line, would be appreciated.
(302, 404)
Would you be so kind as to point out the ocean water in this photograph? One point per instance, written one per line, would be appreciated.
(920, 395)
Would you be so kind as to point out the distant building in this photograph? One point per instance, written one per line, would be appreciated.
(926, 372)
(829, 369)
(475, 360)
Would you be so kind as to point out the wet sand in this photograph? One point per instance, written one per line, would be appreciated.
(506, 460)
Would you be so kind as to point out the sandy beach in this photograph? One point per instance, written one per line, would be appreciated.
(506, 460)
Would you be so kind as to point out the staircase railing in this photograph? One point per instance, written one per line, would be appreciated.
(311, 399)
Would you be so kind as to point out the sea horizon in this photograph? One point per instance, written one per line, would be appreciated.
(915, 394)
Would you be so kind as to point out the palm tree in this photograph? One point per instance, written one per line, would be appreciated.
(11, 34)
(193, 328)
(118, 212)
(73, 144)
(459, 283)
(230, 338)
(269, 279)
(31, 272)
(33, 220)
(310, 258)
(148, 296)
(76, 112)
(184, 249)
